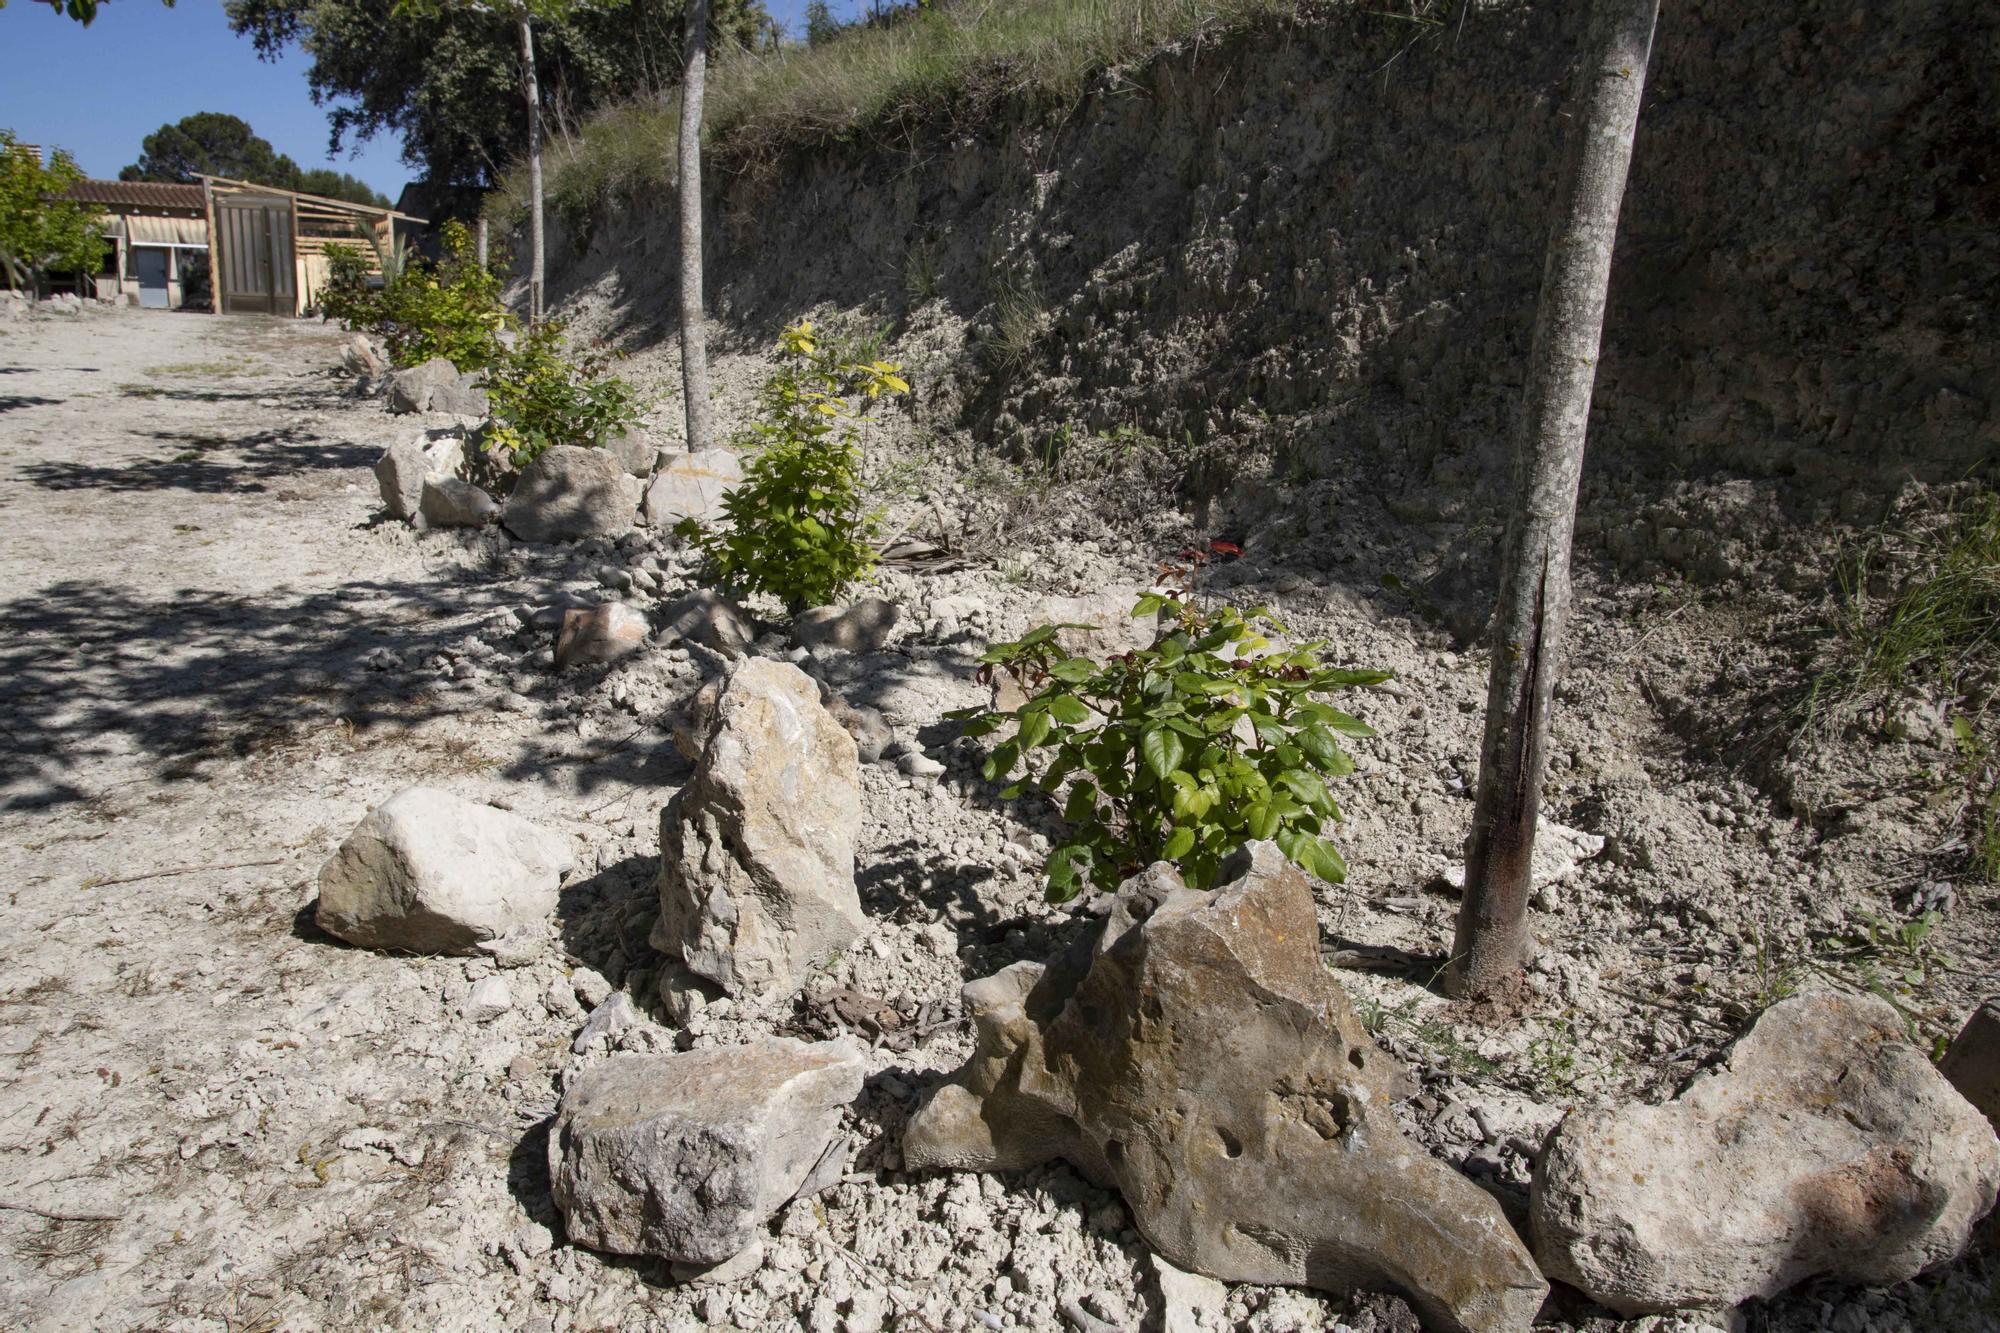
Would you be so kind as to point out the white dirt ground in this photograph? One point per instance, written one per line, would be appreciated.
(213, 1117)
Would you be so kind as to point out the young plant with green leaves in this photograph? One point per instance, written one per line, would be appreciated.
(1183, 751)
(798, 527)
(542, 396)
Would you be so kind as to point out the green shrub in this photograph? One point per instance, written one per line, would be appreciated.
(1179, 752)
(797, 528)
(541, 396)
(347, 295)
(452, 309)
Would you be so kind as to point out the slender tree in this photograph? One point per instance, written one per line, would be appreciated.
(694, 336)
(1534, 576)
(537, 256)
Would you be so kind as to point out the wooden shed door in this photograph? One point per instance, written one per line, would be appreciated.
(255, 266)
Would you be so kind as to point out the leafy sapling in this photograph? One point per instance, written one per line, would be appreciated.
(798, 528)
(1183, 751)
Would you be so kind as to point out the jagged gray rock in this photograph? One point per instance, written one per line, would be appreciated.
(711, 620)
(1823, 1145)
(400, 473)
(599, 634)
(1973, 1062)
(429, 872)
(451, 503)
(634, 450)
(686, 1156)
(691, 485)
(568, 493)
(1197, 1056)
(436, 386)
(861, 628)
(757, 850)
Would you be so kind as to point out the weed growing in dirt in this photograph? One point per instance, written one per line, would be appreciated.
(797, 526)
(1919, 610)
(1893, 961)
(1019, 313)
(1180, 752)
(1438, 1040)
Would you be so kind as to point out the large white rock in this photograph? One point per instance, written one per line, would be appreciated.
(686, 1156)
(570, 492)
(1197, 1056)
(429, 872)
(1824, 1145)
(691, 485)
(757, 850)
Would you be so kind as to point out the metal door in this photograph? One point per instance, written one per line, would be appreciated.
(254, 262)
(149, 267)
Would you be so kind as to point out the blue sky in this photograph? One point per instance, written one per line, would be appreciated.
(99, 91)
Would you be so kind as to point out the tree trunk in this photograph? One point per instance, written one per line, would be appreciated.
(694, 336)
(536, 270)
(1534, 572)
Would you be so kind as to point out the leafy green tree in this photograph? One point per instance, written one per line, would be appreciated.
(42, 229)
(448, 84)
(83, 11)
(210, 143)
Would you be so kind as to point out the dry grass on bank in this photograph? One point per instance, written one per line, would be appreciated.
(956, 61)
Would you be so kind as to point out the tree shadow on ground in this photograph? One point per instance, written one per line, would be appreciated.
(92, 673)
(14, 402)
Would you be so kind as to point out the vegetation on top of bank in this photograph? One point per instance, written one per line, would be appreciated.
(956, 59)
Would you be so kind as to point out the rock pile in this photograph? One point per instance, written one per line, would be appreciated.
(1824, 1145)
(1197, 1056)
(686, 1156)
(757, 850)
(429, 872)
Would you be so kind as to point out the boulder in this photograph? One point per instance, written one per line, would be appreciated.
(687, 1156)
(400, 473)
(634, 452)
(866, 725)
(451, 503)
(1823, 1145)
(429, 872)
(1973, 1063)
(436, 386)
(599, 634)
(363, 358)
(1196, 1055)
(757, 850)
(861, 628)
(711, 620)
(569, 493)
(691, 485)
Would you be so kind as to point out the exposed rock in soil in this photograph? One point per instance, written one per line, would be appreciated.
(685, 1156)
(429, 872)
(691, 486)
(450, 503)
(1824, 1145)
(711, 620)
(569, 493)
(599, 634)
(757, 850)
(436, 386)
(864, 627)
(1973, 1062)
(1197, 1056)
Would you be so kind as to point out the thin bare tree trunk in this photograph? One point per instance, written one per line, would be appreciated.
(537, 270)
(694, 335)
(1534, 574)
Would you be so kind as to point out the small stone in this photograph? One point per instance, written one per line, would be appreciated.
(488, 1000)
(1193, 1303)
(686, 1156)
(917, 764)
(599, 634)
(400, 473)
(606, 1022)
(590, 985)
(429, 872)
(1973, 1062)
(864, 627)
(450, 503)
(711, 620)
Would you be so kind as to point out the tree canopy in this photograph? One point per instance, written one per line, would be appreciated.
(449, 84)
(41, 228)
(212, 143)
(83, 11)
